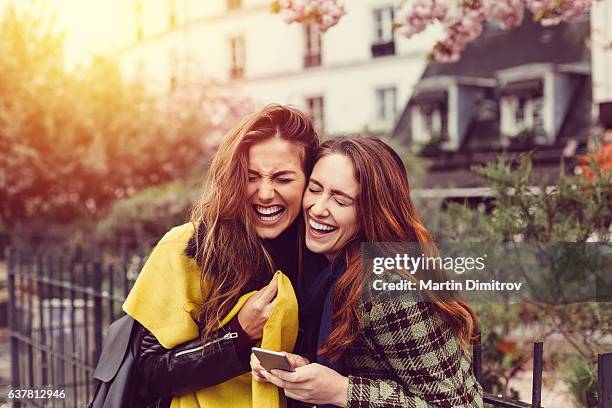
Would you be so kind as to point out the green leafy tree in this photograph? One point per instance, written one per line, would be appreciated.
(73, 142)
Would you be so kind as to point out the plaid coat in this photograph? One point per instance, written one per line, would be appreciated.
(407, 357)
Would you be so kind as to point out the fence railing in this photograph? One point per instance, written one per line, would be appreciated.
(536, 390)
(59, 309)
(61, 305)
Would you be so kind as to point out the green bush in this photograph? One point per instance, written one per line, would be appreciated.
(148, 214)
(572, 209)
(582, 382)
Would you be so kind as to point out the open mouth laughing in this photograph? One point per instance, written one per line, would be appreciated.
(268, 214)
(320, 228)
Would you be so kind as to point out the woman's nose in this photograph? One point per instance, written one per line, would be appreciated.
(319, 208)
(265, 192)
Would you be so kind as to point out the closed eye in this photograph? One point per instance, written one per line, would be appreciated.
(342, 203)
(284, 180)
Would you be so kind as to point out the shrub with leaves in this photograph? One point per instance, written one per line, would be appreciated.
(523, 207)
(151, 212)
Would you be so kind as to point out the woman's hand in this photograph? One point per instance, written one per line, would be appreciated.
(312, 383)
(256, 311)
(257, 369)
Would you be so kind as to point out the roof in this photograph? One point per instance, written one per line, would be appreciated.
(499, 54)
(530, 43)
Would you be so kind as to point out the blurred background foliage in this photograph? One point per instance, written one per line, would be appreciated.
(148, 214)
(74, 142)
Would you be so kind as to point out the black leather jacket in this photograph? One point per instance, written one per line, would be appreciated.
(188, 367)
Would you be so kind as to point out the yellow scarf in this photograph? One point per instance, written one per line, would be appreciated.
(163, 298)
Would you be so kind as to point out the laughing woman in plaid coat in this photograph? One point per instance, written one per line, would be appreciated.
(373, 351)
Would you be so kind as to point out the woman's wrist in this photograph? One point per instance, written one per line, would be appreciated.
(342, 392)
(243, 340)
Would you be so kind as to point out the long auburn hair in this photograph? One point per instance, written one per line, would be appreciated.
(229, 253)
(384, 191)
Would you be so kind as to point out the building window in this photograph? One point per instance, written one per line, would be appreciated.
(435, 116)
(386, 104)
(384, 43)
(430, 122)
(316, 111)
(605, 114)
(238, 59)
(523, 115)
(312, 46)
(234, 4)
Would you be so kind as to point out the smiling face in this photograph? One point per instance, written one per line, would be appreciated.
(276, 185)
(330, 205)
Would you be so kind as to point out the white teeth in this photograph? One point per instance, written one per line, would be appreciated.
(268, 210)
(320, 227)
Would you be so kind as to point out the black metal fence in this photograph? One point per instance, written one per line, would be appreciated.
(61, 305)
(59, 309)
(536, 391)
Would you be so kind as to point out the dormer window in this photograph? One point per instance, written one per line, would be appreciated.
(429, 120)
(435, 120)
(535, 99)
(526, 115)
(443, 109)
(522, 111)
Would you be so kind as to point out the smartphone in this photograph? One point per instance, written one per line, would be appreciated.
(272, 360)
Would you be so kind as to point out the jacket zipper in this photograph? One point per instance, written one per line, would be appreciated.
(230, 335)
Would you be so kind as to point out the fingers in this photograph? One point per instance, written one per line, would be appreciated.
(283, 379)
(267, 309)
(258, 377)
(274, 379)
(269, 292)
(289, 377)
(257, 369)
(297, 360)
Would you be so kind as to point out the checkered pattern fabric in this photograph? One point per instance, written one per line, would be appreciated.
(407, 357)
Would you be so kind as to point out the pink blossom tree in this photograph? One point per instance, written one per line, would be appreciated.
(322, 13)
(462, 20)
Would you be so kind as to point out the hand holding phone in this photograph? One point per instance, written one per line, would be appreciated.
(272, 360)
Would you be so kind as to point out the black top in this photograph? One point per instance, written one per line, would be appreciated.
(285, 251)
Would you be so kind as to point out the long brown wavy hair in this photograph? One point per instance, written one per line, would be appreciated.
(228, 251)
(384, 192)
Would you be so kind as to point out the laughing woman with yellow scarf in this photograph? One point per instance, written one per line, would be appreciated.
(209, 291)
